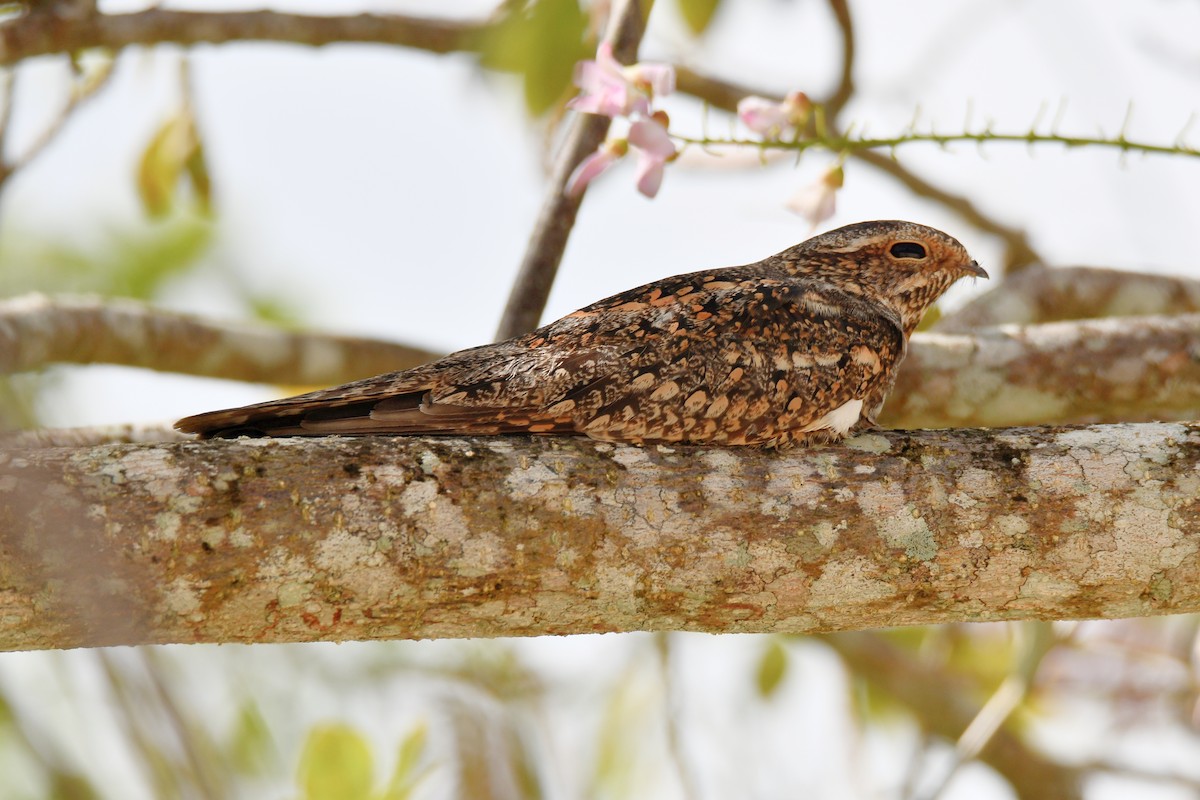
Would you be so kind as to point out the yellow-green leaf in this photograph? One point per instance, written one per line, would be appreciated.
(163, 163)
(772, 668)
(197, 170)
(250, 744)
(698, 14)
(408, 773)
(335, 765)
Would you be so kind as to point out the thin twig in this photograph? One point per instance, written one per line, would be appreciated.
(198, 749)
(81, 92)
(7, 77)
(1020, 253)
(1035, 640)
(530, 290)
(845, 88)
(944, 704)
(41, 34)
(687, 782)
(724, 95)
(843, 143)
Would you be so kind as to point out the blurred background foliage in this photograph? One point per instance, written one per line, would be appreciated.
(1111, 709)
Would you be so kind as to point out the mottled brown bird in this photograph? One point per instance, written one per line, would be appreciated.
(801, 347)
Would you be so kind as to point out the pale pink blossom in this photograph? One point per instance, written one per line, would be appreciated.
(655, 148)
(770, 119)
(614, 90)
(817, 202)
(604, 157)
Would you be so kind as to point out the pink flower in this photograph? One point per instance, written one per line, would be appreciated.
(770, 119)
(614, 90)
(655, 149)
(817, 202)
(605, 156)
(649, 137)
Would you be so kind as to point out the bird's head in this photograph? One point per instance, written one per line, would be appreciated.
(904, 265)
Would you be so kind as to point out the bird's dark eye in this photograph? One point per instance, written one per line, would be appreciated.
(908, 250)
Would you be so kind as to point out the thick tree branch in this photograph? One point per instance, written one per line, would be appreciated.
(36, 330)
(548, 242)
(377, 538)
(1065, 293)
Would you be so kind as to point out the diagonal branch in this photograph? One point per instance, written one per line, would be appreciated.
(381, 538)
(531, 289)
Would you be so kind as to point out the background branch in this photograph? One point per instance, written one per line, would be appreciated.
(1084, 371)
(39, 34)
(36, 330)
(1137, 368)
(945, 703)
(376, 538)
(1067, 293)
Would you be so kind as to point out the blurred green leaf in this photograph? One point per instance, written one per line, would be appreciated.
(129, 263)
(173, 151)
(698, 14)
(931, 318)
(621, 744)
(251, 743)
(71, 786)
(772, 668)
(409, 773)
(336, 764)
(541, 42)
(197, 170)
(274, 311)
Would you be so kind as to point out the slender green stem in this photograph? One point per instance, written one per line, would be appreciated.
(852, 144)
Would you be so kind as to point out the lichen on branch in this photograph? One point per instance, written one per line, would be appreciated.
(383, 538)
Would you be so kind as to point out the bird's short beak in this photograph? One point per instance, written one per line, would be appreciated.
(974, 269)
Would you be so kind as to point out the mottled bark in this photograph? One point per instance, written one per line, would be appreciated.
(36, 330)
(376, 538)
(1065, 293)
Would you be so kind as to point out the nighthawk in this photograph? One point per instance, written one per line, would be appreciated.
(799, 348)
